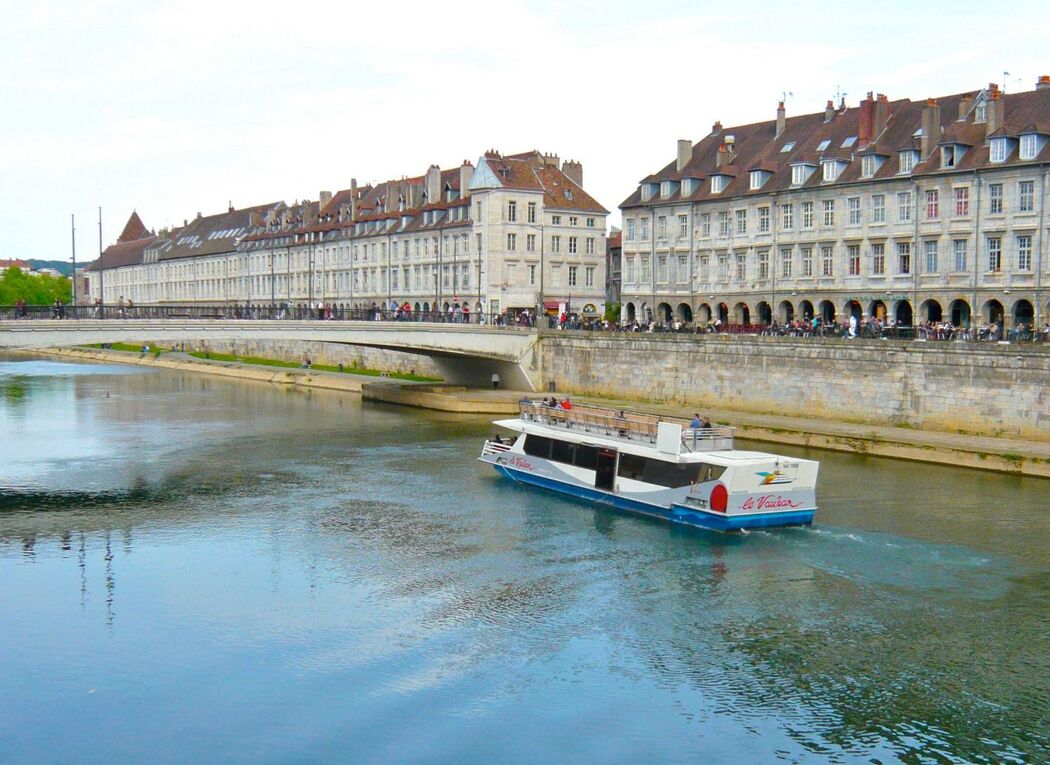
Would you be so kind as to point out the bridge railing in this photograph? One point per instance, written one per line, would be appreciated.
(248, 312)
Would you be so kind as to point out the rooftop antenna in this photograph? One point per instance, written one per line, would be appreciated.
(1005, 75)
(840, 94)
(785, 95)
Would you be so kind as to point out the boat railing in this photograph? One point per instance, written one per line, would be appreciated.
(619, 424)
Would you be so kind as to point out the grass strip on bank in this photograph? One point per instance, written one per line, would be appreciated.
(130, 347)
(350, 370)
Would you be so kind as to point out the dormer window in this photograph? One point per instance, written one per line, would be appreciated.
(869, 165)
(998, 150)
(1029, 146)
(907, 160)
(980, 112)
(718, 183)
(800, 174)
(831, 169)
(951, 155)
(647, 191)
(823, 145)
(687, 187)
(665, 189)
(758, 179)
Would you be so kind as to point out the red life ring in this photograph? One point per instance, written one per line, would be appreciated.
(719, 499)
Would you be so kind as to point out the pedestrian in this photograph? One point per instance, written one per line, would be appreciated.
(495, 380)
(695, 424)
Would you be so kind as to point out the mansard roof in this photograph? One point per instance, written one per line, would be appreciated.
(803, 141)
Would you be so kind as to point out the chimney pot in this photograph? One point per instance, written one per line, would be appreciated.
(781, 119)
(1043, 82)
(716, 129)
(829, 111)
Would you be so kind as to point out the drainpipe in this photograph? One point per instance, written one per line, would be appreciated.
(773, 258)
(692, 257)
(915, 256)
(652, 256)
(976, 246)
(1039, 250)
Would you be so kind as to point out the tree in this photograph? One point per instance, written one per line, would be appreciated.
(612, 312)
(39, 289)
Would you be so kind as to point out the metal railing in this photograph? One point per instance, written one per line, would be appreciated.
(619, 424)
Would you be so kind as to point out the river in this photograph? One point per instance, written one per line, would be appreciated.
(194, 569)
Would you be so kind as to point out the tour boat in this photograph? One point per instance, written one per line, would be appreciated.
(654, 465)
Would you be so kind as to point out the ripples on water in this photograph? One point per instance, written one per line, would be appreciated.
(223, 572)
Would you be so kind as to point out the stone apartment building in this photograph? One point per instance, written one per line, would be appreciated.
(508, 235)
(911, 211)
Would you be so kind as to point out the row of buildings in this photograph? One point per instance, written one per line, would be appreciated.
(906, 211)
(512, 233)
(900, 210)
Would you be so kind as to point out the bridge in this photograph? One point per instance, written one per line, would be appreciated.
(467, 354)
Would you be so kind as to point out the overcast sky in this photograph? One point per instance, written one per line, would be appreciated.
(174, 108)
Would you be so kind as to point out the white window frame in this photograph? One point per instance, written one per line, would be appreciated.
(1029, 146)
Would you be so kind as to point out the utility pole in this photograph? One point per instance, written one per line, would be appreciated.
(73, 237)
(101, 270)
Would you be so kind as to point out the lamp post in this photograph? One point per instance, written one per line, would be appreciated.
(542, 305)
(73, 236)
(273, 277)
(101, 272)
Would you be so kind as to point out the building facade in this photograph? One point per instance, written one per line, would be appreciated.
(511, 234)
(905, 211)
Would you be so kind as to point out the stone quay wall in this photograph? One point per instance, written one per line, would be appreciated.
(985, 389)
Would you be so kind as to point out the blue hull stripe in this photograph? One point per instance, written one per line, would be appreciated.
(674, 514)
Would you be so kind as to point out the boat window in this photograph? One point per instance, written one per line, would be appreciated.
(538, 446)
(586, 457)
(561, 451)
(673, 475)
(710, 472)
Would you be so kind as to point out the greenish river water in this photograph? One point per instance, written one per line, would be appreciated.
(195, 569)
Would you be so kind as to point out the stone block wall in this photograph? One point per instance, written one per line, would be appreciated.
(986, 389)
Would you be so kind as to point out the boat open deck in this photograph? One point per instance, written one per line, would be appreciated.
(631, 427)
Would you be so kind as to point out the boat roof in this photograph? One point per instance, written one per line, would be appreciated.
(724, 457)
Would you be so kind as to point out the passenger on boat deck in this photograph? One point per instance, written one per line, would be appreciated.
(696, 422)
(706, 424)
(566, 404)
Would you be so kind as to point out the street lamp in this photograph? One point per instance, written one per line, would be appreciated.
(542, 309)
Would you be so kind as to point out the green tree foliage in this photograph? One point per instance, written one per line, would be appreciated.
(612, 312)
(35, 290)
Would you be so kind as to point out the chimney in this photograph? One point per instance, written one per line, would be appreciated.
(781, 119)
(931, 127)
(324, 198)
(685, 153)
(882, 116)
(574, 170)
(433, 184)
(964, 105)
(716, 129)
(466, 174)
(829, 111)
(230, 203)
(995, 111)
(1043, 82)
(353, 199)
(865, 121)
(723, 156)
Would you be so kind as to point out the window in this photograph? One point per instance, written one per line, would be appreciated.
(878, 208)
(903, 206)
(1024, 252)
(788, 217)
(673, 475)
(705, 224)
(995, 254)
(827, 260)
(998, 150)
(683, 226)
(831, 170)
(590, 245)
(573, 220)
(853, 257)
(1026, 196)
(878, 259)
(980, 112)
(630, 229)
(512, 211)
(512, 242)
(787, 147)
(785, 262)
(647, 271)
(853, 208)
(723, 268)
(763, 220)
(933, 204)
(705, 264)
(962, 201)
(723, 223)
(829, 212)
(807, 215)
(995, 198)
(1029, 146)
(847, 142)
(556, 221)
(573, 240)
(806, 256)
(930, 247)
(661, 227)
(903, 257)
(530, 243)
(590, 223)
(741, 267)
(532, 212)
(718, 183)
(757, 179)
(823, 144)
(572, 276)
(645, 229)
(763, 264)
(907, 161)
(868, 166)
(556, 243)
(959, 251)
(741, 221)
(799, 173)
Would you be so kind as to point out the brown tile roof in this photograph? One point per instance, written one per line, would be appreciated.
(757, 146)
(213, 234)
(133, 229)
